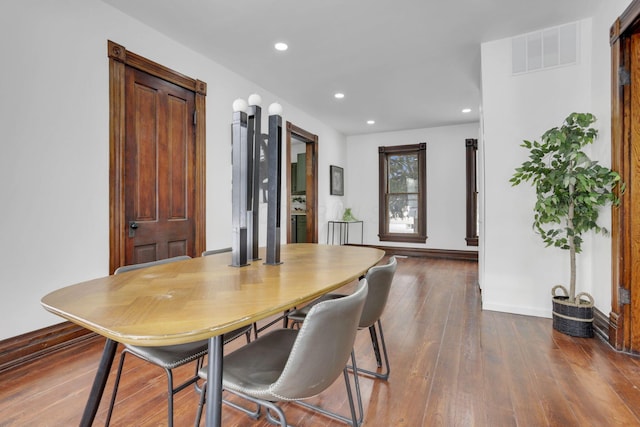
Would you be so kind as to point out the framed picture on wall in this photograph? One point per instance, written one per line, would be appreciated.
(337, 181)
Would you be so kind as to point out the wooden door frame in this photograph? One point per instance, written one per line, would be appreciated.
(119, 58)
(622, 257)
(312, 180)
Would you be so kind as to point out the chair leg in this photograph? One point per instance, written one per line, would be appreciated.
(355, 420)
(384, 375)
(282, 420)
(253, 414)
(199, 364)
(170, 390)
(115, 388)
(169, 397)
(201, 404)
(203, 393)
(356, 381)
(376, 347)
(260, 402)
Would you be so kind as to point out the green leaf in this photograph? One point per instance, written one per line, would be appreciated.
(567, 180)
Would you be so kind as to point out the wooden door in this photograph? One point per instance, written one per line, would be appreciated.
(156, 162)
(159, 168)
(624, 319)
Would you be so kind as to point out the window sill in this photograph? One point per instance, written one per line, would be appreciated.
(411, 238)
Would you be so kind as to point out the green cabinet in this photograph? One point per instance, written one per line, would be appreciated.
(299, 228)
(300, 180)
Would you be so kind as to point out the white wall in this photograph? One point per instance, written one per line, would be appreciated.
(446, 188)
(517, 271)
(54, 167)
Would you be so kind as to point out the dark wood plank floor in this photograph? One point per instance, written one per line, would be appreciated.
(452, 365)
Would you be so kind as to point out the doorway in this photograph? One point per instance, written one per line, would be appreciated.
(624, 319)
(302, 185)
(156, 161)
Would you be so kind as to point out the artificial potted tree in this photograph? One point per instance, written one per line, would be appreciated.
(570, 190)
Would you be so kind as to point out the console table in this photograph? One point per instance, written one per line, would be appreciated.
(343, 231)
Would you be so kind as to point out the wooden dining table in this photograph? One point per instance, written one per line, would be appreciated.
(201, 298)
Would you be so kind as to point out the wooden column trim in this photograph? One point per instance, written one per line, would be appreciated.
(288, 178)
(121, 54)
(117, 57)
(621, 255)
(201, 168)
(471, 149)
(627, 20)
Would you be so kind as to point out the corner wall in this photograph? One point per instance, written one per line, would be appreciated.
(516, 271)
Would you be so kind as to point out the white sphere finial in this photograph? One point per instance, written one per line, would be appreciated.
(239, 105)
(275, 109)
(255, 99)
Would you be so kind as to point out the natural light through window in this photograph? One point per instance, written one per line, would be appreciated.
(402, 193)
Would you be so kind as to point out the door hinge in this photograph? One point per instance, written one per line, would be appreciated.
(624, 76)
(195, 117)
(624, 296)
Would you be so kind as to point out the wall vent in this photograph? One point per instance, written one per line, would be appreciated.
(549, 48)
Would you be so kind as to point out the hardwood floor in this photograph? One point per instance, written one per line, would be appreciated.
(451, 365)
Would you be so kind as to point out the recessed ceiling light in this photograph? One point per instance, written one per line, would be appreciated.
(466, 110)
(371, 122)
(281, 46)
(338, 95)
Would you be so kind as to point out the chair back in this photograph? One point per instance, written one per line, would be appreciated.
(126, 268)
(322, 347)
(379, 279)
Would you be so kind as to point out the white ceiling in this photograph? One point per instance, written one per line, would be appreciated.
(406, 64)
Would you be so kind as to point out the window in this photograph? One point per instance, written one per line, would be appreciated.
(471, 148)
(402, 197)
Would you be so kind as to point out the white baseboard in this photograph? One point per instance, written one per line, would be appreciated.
(526, 311)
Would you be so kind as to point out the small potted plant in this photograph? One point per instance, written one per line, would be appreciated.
(570, 190)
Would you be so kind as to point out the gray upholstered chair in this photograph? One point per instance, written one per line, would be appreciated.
(379, 279)
(290, 365)
(169, 357)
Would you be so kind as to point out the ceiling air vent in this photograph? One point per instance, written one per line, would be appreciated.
(549, 48)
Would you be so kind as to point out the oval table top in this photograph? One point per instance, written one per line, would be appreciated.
(190, 300)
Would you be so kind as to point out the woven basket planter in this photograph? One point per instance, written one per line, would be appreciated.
(574, 319)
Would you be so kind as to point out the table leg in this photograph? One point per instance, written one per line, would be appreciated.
(214, 382)
(100, 380)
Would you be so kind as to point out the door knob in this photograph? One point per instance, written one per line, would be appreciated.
(132, 228)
